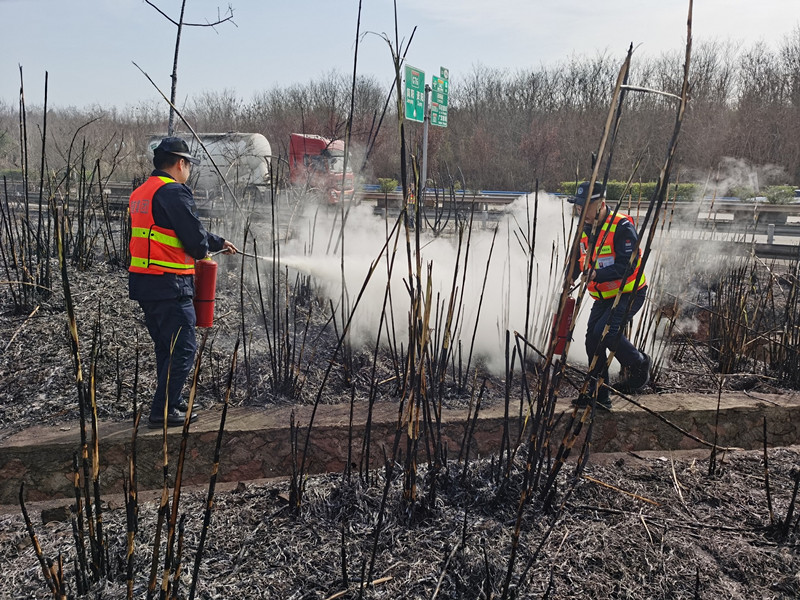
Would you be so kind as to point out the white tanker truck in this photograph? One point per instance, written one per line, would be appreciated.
(242, 158)
(316, 166)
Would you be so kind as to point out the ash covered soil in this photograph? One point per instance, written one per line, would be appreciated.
(38, 373)
(649, 527)
(659, 527)
(37, 367)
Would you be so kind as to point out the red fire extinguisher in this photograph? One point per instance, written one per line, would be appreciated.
(562, 325)
(205, 290)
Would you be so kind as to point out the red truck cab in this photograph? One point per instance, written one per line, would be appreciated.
(317, 164)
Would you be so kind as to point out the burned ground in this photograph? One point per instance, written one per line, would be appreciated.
(656, 527)
(666, 529)
(38, 372)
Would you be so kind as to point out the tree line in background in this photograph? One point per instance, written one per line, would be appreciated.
(506, 129)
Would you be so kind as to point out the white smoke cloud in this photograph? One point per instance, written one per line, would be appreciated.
(505, 296)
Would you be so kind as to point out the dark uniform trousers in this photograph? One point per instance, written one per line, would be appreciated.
(602, 315)
(171, 325)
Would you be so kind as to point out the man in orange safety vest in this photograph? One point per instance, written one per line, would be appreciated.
(606, 261)
(166, 238)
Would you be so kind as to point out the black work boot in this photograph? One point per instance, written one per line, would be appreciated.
(638, 377)
(175, 418)
(183, 405)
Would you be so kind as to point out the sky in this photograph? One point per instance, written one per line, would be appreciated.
(88, 47)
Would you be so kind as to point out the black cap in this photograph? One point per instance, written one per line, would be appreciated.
(175, 145)
(582, 193)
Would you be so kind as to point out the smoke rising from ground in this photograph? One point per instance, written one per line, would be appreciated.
(678, 258)
(685, 257)
(505, 297)
(737, 175)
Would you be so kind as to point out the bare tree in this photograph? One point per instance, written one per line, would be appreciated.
(215, 110)
(180, 24)
(506, 128)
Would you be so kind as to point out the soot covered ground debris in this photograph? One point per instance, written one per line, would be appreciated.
(635, 527)
(37, 371)
(704, 535)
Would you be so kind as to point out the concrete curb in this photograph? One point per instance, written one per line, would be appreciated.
(256, 443)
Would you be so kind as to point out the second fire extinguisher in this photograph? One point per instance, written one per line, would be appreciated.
(205, 290)
(562, 324)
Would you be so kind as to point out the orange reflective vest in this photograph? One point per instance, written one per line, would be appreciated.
(154, 250)
(604, 256)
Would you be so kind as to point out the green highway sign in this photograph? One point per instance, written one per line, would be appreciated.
(440, 91)
(438, 114)
(415, 94)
